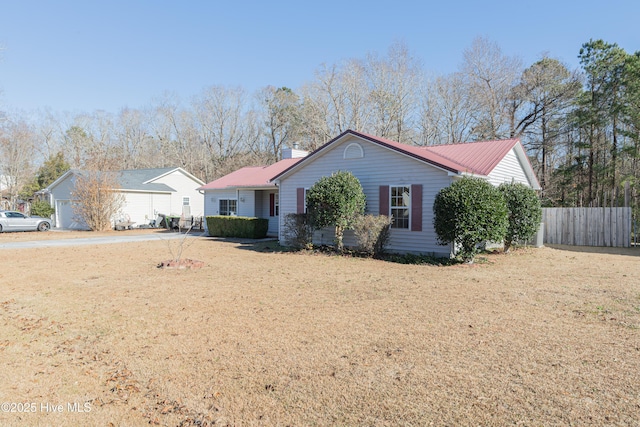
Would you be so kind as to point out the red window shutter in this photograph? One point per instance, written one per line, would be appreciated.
(416, 207)
(300, 200)
(272, 204)
(384, 200)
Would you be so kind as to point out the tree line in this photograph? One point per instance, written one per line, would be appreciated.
(581, 127)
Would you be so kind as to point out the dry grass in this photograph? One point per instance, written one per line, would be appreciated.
(538, 337)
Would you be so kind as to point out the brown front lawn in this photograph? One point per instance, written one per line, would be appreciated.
(545, 336)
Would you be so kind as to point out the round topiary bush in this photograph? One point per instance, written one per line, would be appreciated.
(468, 213)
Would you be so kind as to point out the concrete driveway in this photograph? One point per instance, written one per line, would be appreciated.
(102, 240)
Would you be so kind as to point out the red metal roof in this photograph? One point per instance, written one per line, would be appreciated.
(475, 157)
(478, 158)
(251, 176)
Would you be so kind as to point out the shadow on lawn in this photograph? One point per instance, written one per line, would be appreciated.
(271, 245)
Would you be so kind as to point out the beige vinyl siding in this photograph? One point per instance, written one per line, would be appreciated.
(509, 170)
(379, 166)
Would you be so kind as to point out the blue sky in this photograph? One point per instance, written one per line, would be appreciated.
(82, 56)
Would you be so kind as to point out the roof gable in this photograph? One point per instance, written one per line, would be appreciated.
(60, 179)
(159, 173)
(478, 158)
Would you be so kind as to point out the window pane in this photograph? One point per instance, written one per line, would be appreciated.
(400, 205)
(224, 207)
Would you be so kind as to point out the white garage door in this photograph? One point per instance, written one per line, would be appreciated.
(66, 218)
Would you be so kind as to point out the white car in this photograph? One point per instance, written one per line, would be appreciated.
(17, 221)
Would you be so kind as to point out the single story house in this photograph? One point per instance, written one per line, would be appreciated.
(147, 193)
(398, 180)
(249, 191)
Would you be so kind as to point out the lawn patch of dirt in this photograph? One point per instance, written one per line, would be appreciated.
(181, 263)
(546, 336)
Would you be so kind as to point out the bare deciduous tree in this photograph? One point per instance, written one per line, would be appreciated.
(95, 192)
(445, 114)
(219, 123)
(134, 140)
(490, 76)
(16, 158)
(393, 84)
(175, 132)
(281, 118)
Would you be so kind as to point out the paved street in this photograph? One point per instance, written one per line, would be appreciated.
(94, 240)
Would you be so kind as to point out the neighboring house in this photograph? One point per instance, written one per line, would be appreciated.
(147, 193)
(401, 181)
(249, 191)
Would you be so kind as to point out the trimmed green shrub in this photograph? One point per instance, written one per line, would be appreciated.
(237, 226)
(41, 208)
(372, 233)
(468, 213)
(525, 212)
(297, 231)
(336, 200)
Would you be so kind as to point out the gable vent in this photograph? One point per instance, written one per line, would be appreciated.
(353, 151)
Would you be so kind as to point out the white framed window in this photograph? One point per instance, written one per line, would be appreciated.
(400, 205)
(228, 207)
(185, 201)
(276, 203)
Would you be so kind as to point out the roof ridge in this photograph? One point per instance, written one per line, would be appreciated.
(149, 169)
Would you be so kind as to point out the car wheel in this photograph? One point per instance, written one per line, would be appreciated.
(0, 228)
(43, 226)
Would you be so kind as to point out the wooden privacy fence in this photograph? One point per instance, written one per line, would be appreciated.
(587, 226)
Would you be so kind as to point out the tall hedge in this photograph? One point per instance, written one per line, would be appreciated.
(525, 212)
(237, 226)
(468, 213)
